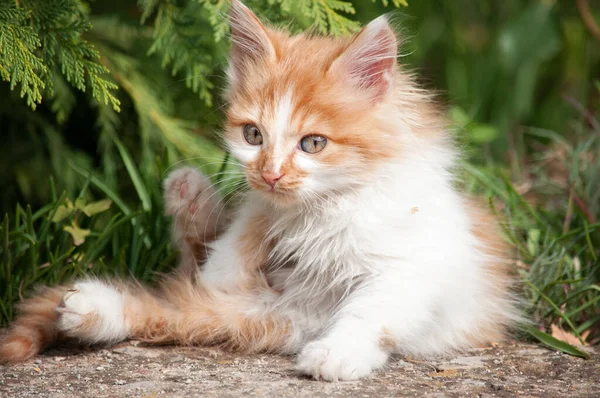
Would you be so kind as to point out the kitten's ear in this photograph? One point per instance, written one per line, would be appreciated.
(249, 40)
(370, 60)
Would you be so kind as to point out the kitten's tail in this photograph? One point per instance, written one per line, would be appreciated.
(34, 329)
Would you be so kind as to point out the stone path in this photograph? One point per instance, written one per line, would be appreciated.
(512, 369)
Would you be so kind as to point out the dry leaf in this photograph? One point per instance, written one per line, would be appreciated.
(568, 337)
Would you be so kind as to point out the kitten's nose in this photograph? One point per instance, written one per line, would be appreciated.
(271, 178)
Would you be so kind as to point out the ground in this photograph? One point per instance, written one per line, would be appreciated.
(129, 369)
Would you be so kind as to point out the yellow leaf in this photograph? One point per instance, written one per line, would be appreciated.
(97, 207)
(63, 211)
(80, 203)
(78, 234)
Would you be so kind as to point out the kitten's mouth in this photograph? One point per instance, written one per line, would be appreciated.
(274, 191)
(277, 193)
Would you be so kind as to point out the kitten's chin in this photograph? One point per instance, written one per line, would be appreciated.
(279, 198)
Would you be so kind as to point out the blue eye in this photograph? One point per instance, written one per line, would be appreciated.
(252, 134)
(313, 143)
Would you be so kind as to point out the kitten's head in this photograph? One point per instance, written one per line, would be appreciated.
(306, 113)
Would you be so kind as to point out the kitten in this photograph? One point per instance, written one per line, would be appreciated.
(353, 243)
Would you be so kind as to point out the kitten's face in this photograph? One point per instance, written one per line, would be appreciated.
(303, 111)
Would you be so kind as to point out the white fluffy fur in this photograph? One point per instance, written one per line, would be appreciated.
(97, 303)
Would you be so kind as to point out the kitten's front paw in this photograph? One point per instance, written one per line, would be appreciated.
(93, 312)
(186, 191)
(332, 362)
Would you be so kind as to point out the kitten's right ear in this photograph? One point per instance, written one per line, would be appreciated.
(250, 40)
(369, 61)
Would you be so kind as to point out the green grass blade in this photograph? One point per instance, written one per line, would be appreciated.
(588, 239)
(556, 344)
(134, 174)
(588, 324)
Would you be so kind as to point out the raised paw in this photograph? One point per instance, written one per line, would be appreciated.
(187, 191)
(93, 312)
(330, 361)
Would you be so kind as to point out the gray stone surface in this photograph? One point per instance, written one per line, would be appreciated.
(512, 369)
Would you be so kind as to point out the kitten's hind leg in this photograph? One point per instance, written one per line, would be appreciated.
(181, 311)
(92, 311)
(198, 214)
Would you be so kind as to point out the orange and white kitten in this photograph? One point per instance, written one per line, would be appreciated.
(353, 243)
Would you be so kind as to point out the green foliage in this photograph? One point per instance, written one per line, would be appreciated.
(52, 28)
(18, 45)
(325, 14)
(551, 211)
(181, 36)
(63, 240)
(506, 64)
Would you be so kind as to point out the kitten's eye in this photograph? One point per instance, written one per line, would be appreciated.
(252, 134)
(313, 143)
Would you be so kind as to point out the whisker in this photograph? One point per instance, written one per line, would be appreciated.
(216, 161)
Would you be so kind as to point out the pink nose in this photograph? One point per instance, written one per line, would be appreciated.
(271, 178)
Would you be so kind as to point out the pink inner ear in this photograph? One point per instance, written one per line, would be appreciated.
(377, 70)
(372, 57)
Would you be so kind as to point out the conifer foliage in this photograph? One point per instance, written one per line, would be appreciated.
(40, 41)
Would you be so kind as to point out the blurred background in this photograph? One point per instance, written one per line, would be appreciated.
(99, 99)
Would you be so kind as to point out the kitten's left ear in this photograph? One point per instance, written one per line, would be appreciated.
(370, 60)
(250, 41)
